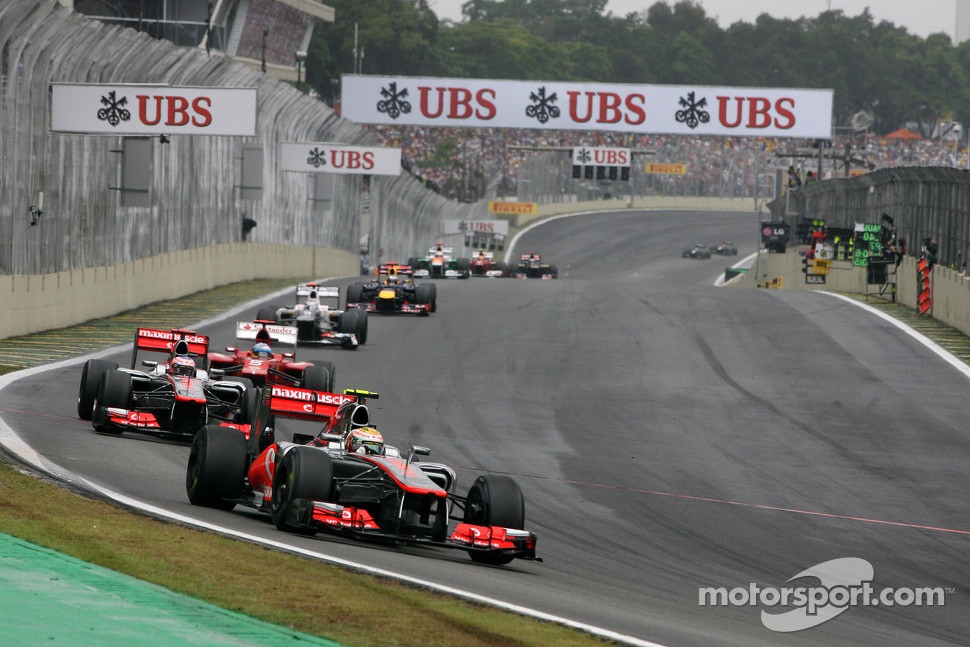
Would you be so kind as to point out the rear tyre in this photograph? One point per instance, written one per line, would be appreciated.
(305, 474)
(434, 297)
(319, 377)
(414, 263)
(354, 292)
(266, 314)
(502, 269)
(554, 271)
(114, 390)
(464, 267)
(88, 390)
(494, 500)
(217, 467)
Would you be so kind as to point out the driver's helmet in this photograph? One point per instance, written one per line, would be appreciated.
(262, 349)
(182, 365)
(365, 440)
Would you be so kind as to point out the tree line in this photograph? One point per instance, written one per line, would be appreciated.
(877, 68)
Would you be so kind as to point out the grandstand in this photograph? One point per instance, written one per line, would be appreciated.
(270, 35)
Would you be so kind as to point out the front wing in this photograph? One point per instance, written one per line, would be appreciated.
(407, 308)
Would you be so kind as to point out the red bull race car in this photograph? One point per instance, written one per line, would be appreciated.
(345, 480)
(262, 365)
(173, 398)
(394, 292)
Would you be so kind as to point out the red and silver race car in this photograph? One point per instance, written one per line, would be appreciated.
(261, 365)
(173, 398)
(484, 264)
(394, 292)
(531, 266)
(317, 483)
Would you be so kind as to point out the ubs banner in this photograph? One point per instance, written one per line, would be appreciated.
(562, 105)
(152, 110)
(340, 158)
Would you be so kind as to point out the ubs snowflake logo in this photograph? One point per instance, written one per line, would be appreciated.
(394, 103)
(114, 111)
(583, 155)
(317, 158)
(542, 109)
(692, 115)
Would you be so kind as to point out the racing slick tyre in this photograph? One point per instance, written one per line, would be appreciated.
(217, 467)
(354, 292)
(305, 474)
(464, 267)
(554, 271)
(114, 390)
(502, 269)
(88, 391)
(319, 377)
(354, 321)
(266, 314)
(494, 500)
(422, 295)
(414, 263)
(434, 297)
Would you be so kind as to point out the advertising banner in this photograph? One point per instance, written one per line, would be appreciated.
(340, 158)
(571, 105)
(498, 206)
(152, 110)
(498, 227)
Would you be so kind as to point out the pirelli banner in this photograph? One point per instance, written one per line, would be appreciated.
(340, 158)
(152, 110)
(514, 208)
(566, 105)
(657, 168)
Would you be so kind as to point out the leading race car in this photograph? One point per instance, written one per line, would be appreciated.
(394, 292)
(531, 266)
(700, 250)
(262, 365)
(346, 480)
(316, 322)
(484, 264)
(172, 399)
(725, 248)
(440, 263)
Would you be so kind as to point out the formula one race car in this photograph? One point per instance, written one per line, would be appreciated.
(725, 248)
(318, 323)
(531, 266)
(699, 250)
(440, 263)
(261, 365)
(394, 292)
(484, 264)
(172, 399)
(346, 480)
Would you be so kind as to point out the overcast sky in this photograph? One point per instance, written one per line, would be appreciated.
(921, 18)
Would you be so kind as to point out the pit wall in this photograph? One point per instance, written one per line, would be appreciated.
(33, 303)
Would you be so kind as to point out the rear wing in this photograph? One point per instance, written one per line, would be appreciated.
(391, 269)
(533, 255)
(265, 331)
(303, 291)
(304, 404)
(177, 341)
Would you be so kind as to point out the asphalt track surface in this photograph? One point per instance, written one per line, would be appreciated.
(669, 435)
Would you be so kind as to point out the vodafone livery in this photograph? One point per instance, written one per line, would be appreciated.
(321, 483)
(566, 105)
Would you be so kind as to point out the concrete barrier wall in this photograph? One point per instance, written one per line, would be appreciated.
(45, 301)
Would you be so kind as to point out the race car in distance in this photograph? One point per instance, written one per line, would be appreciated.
(174, 398)
(372, 491)
(484, 264)
(531, 266)
(394, 292)
(699, 250)
(725, 248)
(262, 365)
(316, 322)
(440, 263)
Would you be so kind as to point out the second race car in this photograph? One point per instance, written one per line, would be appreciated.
(394, 292)
(316, 322)
(440, 263)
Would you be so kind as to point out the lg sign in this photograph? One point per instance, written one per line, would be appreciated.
(152, 110)
(580, 106)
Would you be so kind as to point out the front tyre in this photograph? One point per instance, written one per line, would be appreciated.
(303, 475)
(494, 500)
(217, 467)
(114, 391)
(88, 390)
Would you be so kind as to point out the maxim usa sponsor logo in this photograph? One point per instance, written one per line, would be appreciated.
(839, 584)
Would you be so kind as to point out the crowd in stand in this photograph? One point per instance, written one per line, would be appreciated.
(714, 165)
